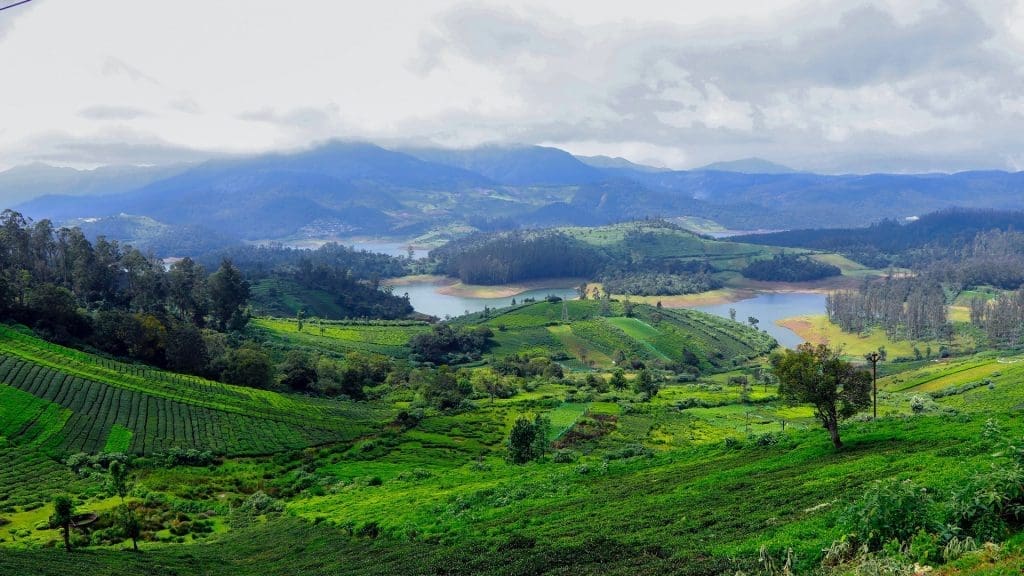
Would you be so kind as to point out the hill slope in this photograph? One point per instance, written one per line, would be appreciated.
(591, 338)
(64, 401)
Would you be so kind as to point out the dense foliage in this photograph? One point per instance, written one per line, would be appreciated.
(333, 281)
(1002, 318)
(659, 284)
(516, 256)
(790, 268)
(816, 375)
(966, 247)
(913, 308)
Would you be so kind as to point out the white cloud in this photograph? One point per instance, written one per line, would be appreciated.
(848, 86)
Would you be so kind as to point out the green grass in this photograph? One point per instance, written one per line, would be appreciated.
(118, 440)
(701, 510)
(378, 337)
(659, 493)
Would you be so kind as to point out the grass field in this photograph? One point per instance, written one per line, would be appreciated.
(818, 330)
(379, 337)
(695, 481)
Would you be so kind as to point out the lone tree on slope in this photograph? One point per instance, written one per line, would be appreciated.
(63, 511)
(816, 375)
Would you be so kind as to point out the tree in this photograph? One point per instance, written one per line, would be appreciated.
(187, 291)
(816, 375)
(732, 314)
(121, 484)
(228, 294)
(528, 439)
(298, 372)
(249, 366)
(63, 511)
(443, 389)
(753, 322)
(186, 349)
(618, 380)
(646, 384)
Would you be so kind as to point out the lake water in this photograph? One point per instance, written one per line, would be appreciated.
(385, 247)
(769, 307)
(425, 298)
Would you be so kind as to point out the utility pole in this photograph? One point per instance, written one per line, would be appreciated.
(874, 357)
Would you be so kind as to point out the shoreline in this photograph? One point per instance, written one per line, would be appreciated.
(447, 286)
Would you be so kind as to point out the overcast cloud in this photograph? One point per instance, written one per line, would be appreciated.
(827, 86)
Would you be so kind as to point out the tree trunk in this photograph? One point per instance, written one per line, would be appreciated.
(67, 538)
(833, 432)
(135, 543)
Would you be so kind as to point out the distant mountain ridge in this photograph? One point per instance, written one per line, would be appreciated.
(23, 183)
(516, 165)
(748, 166)
(348, 189)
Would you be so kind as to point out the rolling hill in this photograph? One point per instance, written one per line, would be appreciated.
(590, 338)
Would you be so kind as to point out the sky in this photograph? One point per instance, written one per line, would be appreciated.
(846, 86)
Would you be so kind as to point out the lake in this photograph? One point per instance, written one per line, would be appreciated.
(385, 247)
(769, 307)
(425, 298)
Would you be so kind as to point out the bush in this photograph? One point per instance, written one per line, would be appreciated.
(890, 510)
(560, 457)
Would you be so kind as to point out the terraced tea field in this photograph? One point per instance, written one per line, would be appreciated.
(66, 401)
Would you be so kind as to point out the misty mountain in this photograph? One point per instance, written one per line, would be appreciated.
(517, 165)
(342, 188)
(748, 166)
(23, 183)
(609, 162)
(350, 189)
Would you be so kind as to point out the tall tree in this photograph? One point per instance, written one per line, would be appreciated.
(63, 511)
(816, 375)
(187, 291)
(228, 294)
(121, 484)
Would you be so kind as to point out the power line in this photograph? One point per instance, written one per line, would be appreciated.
(2, 8)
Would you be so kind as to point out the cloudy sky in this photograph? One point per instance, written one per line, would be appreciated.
(887, 85)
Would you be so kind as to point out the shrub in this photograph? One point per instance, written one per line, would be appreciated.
(890, 510)
(560, 457)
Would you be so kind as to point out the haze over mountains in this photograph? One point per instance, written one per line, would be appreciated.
(344, 189)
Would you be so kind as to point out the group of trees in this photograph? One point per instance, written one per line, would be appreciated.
(516, 256)
(447, 345)
(914, 308)
(659, 283)
(1002, 318)
(113, 297)
(790, 268)
(348, 278)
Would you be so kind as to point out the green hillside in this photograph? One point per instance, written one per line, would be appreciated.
(585, 336)
(64, 401)
(440, 499)
(656, 244)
